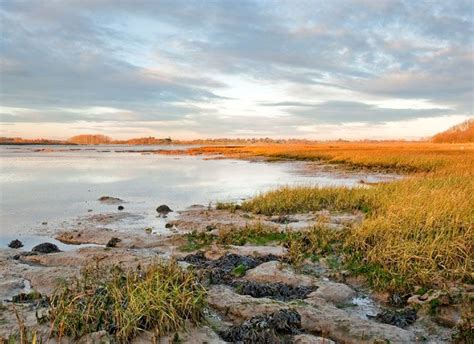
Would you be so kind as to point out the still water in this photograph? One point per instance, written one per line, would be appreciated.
(43, 187)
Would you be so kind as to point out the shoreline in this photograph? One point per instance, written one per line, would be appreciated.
(255, 250)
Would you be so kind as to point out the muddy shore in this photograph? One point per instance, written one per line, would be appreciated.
(330, 304)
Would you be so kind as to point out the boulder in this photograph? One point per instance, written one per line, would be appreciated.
(46, 247)
(163, 209)
(277, 272)
(333, 292)
(240, 307)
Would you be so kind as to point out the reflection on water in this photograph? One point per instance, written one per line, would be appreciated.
(41, 189)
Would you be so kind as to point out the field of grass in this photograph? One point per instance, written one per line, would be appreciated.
(417, 231)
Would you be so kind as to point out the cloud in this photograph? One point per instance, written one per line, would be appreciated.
(202, 65)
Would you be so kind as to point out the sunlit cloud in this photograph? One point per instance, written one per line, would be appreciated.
(191, 69)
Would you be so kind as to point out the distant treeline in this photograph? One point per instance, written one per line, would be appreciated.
(104, 140)
(461, 133)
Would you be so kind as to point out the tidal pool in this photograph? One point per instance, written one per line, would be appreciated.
(42, 188)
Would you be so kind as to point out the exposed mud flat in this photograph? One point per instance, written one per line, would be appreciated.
(249, 286)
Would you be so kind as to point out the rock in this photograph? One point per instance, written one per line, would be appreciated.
(113, 242)
(449, 316)
(310, 339)
(120, 207)
(163, 209)
(240, 307)
(333, 292)
(15, 244)
(169, 225)
(335, 323)
(322, 317)
(110, 200)
(46, 247)
(276, 272)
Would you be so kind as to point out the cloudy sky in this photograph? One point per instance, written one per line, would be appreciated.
(188, 69)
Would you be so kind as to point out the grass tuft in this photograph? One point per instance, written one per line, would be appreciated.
(162, 298)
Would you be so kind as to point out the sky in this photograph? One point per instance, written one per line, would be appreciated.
(353, 69)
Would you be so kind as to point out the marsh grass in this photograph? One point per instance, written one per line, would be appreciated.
(162, 298)
(313, 243)
(417, 231)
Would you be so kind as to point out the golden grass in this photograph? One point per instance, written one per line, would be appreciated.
(417, 231)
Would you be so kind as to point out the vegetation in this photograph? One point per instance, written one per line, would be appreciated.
(417, 231)
(463, 132)
(252, 234)
(162, 297)
(314, 243)
(197, 240)
(256, 234)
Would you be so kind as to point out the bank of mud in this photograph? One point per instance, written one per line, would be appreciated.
(254, 294)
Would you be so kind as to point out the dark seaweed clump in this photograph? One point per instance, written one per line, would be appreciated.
(400, 318)
(113, 242)
(15, 244)
(270, 328)
(278, 291)
(226, 268)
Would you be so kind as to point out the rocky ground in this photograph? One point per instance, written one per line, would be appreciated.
(254, 295)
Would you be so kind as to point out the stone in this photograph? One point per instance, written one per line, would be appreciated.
(110, 200)
(333, 292)
(277, 272)
(449, 316)
(46, 247)
(163, 209)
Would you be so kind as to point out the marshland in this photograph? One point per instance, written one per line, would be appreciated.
(379, 235)
(252, 171)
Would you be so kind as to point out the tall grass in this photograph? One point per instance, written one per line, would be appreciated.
(417, 231)
(162, 298)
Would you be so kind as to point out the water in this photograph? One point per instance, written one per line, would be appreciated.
(44, 191)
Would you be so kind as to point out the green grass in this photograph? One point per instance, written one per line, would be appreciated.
(197, 240)
(256, 234)
(162, 298)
